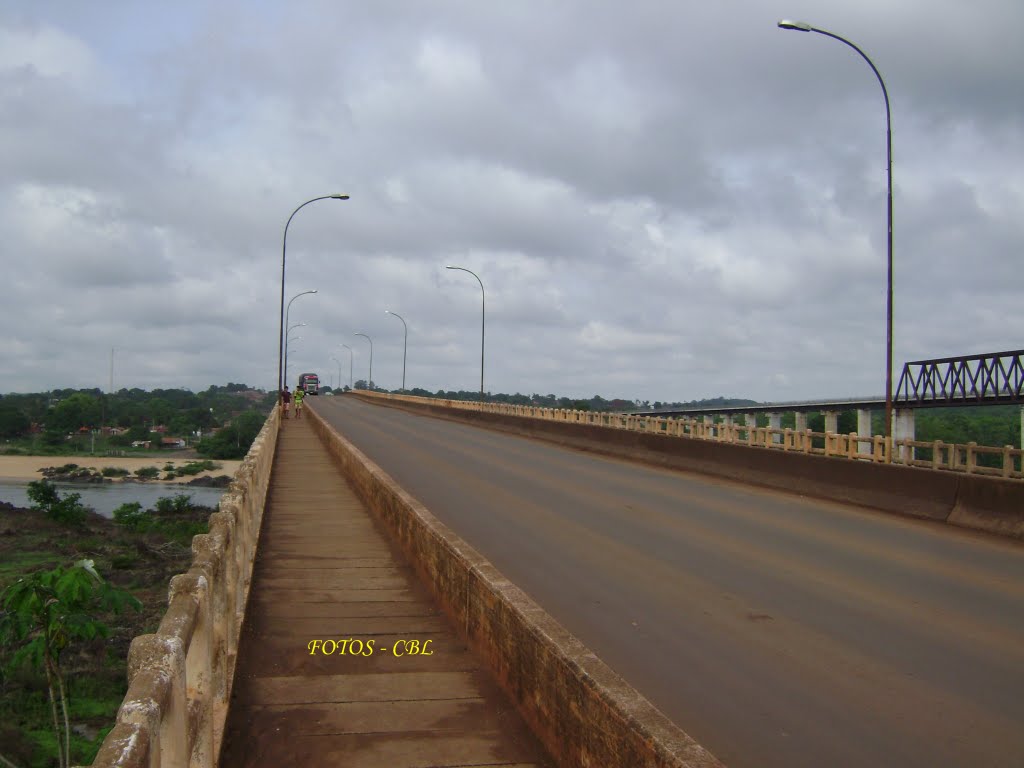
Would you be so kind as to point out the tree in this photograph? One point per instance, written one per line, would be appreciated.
(47, 611)
(13, 421)
(234, 440)
(74, 411)
(68, 510)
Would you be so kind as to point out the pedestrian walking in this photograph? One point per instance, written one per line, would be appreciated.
(286, 401)
(300, 395)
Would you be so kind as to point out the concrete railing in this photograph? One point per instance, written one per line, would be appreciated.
(944, 456)
(179, 679)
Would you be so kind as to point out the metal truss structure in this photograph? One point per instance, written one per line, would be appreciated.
(987, 379)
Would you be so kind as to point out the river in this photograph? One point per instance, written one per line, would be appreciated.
(106, 497)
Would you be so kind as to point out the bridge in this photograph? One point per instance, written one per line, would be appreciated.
(993, 378)
(601, 590)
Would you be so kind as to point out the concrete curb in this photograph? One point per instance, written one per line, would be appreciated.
(991, 504)
(584, 713)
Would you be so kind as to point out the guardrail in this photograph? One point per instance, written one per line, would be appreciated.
(912, 453)
(179, 679)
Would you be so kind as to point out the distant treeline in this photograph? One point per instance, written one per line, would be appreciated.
(65, 420)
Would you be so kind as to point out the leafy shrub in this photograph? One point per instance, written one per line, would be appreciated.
(68, 510)
(195, 467)
(168, 505)
(147, 473)
(132, 516)
(43, 613)
(114, 472)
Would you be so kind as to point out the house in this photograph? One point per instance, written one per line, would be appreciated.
(172, 442)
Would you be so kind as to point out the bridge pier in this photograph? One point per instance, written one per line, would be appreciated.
(831, 421)
(903, 429)
(864, 430)
(775, 422)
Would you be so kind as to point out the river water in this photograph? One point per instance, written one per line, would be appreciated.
(107, 497)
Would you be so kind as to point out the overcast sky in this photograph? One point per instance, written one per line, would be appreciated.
(664, 200)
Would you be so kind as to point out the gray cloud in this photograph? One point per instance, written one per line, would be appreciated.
(663, 202)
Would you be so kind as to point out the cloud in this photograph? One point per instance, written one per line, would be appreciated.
(663, 202)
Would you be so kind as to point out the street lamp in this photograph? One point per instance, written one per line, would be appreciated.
(350, 356)
(369, 382)
(284, 251)
(287, 338)
(801, 26)
(112, 369)
(405, 344)
(339, 369)
(483, 320)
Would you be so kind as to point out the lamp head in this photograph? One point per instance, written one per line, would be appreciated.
(799, 26)
(339, 197)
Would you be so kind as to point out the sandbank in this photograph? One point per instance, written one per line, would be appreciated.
(27, 468)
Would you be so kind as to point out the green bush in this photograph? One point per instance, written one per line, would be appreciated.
(169, 505)
(195, 467)
(68, 510)
(132, 517)
(147, 473)
(114, 472)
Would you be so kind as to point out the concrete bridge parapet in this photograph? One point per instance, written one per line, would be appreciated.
(180, 677)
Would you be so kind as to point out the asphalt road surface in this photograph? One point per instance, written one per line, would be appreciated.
(775, 629)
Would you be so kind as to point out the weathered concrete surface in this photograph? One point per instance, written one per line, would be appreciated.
(584, 713)
(325, 571)
(778, 630)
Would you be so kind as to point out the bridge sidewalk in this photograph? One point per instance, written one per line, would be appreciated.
(326, 571)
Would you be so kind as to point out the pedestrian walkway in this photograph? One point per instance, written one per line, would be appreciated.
(326, 571)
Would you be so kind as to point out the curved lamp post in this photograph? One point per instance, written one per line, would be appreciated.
(801, 26)
(405, 344)
(483, 320)
(350, 356)
(369, 381)
(284, 251)
(339, 369)
(287, 338)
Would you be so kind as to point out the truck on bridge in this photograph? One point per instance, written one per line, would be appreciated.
(309, 383)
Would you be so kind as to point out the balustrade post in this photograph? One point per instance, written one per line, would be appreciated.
(163, 660)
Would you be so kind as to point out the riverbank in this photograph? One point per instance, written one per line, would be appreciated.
(28, 468)
(141, 562)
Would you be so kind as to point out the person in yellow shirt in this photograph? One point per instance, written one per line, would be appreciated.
(299, 395)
